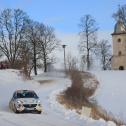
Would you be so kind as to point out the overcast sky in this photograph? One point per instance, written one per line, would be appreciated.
(64, 15)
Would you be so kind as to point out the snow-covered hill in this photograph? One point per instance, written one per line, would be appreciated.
(54, 114)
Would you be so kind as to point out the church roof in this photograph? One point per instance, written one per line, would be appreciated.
(119, 28)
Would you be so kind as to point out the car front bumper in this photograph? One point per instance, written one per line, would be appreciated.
(23, 108)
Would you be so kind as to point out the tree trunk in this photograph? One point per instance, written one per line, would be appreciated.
(45, 63)
(88, 61)
(88, 56)
(34, 60)
(104, 63)
(12, 64)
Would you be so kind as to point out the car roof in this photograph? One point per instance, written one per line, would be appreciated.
(20, 91)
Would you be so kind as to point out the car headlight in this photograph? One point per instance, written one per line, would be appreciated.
(39, 103)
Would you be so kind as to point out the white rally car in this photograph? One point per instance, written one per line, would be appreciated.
(25, 101)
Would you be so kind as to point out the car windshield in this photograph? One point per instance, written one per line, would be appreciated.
(26, 94)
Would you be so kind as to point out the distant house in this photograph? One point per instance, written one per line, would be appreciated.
(119, 46)
(4, 65)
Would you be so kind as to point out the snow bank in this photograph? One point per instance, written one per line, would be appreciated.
(112, 92)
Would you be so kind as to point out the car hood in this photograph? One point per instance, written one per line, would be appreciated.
(28, 100)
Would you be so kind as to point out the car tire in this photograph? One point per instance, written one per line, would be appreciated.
(39, 112)
(15, 110)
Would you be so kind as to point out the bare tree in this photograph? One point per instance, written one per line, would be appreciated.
(103, 52)
(82, 63)
(11, 33)
(47, 43)
(120, 14)
(88, 37)
(26, 59)
(71, 62)
(32, 37)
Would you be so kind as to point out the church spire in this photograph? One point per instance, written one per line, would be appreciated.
(120, 26)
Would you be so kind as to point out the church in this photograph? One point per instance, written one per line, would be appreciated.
(119, 46)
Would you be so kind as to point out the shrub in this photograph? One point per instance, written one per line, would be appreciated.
(81, 88)
(90, 86)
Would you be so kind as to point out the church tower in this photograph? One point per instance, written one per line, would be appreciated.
(119, 46)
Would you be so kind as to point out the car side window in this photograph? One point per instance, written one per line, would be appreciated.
(14, 95)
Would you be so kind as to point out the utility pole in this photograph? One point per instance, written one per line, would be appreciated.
(64, 46)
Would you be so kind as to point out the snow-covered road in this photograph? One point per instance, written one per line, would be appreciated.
(9, 82)
(54, 114)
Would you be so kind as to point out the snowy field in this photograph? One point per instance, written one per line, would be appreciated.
(112, 92)
(55, 114)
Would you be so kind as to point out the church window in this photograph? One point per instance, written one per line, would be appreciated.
(121, 68)
(120, 53)
(119, 40)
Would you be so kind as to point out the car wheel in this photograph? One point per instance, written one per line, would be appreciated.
(15, 110)
(39, 112)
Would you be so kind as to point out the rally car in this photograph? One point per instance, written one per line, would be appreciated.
(25, 101)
